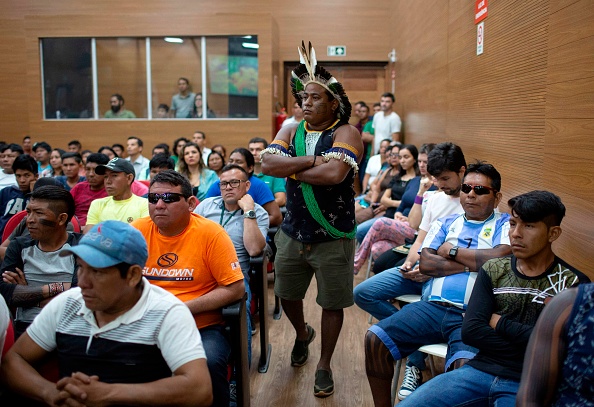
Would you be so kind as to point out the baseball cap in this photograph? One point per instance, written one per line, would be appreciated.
(116, 165)
(109, 243)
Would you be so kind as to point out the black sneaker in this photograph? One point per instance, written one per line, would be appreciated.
(412, 379)
(300, 351)
(324, 384)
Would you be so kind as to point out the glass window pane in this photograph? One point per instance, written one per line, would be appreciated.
(67, 78)
(173, 58)
(121, 70)
(232, 76)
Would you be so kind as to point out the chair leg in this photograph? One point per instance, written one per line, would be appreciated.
(369, 262)
(395, 380)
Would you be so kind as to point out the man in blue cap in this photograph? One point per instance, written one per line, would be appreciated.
(119, 339)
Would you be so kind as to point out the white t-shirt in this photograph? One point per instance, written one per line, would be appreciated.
(7, 180)
(383, 127)
(174, 332)
(374, 165)
(439, 205)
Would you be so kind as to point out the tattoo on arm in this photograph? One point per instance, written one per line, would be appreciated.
(25, 296)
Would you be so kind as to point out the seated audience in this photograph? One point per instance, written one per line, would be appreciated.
(42, 152)
(160, 162)
(119, 340)
(216, 162)
(219, 148)
(120, 204)
(376, 163)
(258, 189)
(93, 188)
(161, 148)
(508, 296)
(108, 151)
(71, 166)
(208, 275)
(199, 138)
(140, 163)
(176, 150)
(74, 146)
(56, 162)
(8, 153)
(297, 115)
(32, 270)
(276, 185)
(119, 150)
(484, 235)
(14, 199)
(117, 110)
(191, 166)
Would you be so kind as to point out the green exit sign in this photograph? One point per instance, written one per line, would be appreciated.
(336, 50)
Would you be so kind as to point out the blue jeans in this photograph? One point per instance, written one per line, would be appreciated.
(468, 387)
(424, 323)
(217, 349)
(363, 228)
(373, 294)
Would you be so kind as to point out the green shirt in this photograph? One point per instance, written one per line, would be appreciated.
(122, 114)
(274, 184)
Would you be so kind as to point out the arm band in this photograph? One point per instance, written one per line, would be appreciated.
(418, 200)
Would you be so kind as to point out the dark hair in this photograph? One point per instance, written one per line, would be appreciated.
(59, 150)
(121, 147)
(215, 153)
(181, 163)
(164, 146)
(365, 106)
(445, 157)
(139, 141)
(86, 152)
(174, 178)
(258, 140)
(362, 103)
(426, 148)
(175, 143)
(389, 95)
(415, 153)
(249, 157)
(230, 167)
(123, 269)
(481, 167)
(200, 132)
(60, 200)
(108, 148)
(42, 144)
(377, 104)
(163, 106)
(26, 137)
(13, 147)
(25, 162)
(98, 158)
(181, 78)
(77, 157)
(75, 143)
(538, 206)
(118, 97)
(162, 161)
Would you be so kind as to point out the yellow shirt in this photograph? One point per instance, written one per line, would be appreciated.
(126, 210)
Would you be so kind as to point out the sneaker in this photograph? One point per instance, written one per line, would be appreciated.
(232, 394)
(412, 379)
(300, 351)
(324, 384)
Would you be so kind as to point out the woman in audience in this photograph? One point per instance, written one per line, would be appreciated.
(216, 162)
(192, 167)
(178, 145)
(197, 113)
(219, 148)
(393, 229)
(56, 161)
(370, 207)
(108, 151)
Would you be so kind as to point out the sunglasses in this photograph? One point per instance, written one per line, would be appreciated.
(478, 189)
(167, 197)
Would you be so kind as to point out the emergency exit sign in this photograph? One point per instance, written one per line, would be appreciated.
(336, 50)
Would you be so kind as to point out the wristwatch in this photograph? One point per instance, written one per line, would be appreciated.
(251, 214)
(453, 252)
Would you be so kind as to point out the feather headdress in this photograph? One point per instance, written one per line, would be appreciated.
(308, 71)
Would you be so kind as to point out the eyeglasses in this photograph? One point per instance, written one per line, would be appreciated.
(478, 189)
(394, 155)
(234, 183)
(167, 197)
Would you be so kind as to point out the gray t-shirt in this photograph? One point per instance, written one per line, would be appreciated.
(213, 209)
(183, 106)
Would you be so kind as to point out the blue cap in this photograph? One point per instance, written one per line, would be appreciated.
(109, 243)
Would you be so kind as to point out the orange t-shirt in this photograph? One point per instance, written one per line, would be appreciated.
(191, 264)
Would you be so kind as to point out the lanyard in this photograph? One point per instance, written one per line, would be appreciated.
(228, 219)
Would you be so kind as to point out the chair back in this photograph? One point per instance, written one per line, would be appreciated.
(13, 223)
